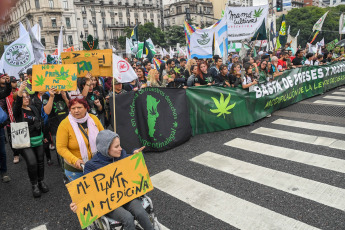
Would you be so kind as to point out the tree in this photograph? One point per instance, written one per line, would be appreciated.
(304, 18)
(122, 42)
(146, 31)
(2, 49)
(174, 35)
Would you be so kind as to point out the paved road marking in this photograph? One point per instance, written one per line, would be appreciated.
(321, 161)
(304, 138)
(334, 98)
(312, 126)
(339, 93)
(41, 227)
(228, 208)
(299, 186)
(342, 89)
(330, 102)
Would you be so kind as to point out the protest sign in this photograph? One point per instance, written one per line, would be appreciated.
(61, 77)
(85, 65)
(244, 21)
(104, 59)
(104, 190)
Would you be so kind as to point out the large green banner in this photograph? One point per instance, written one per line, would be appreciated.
(213, 108)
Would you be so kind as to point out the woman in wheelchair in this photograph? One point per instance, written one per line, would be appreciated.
(109, 151)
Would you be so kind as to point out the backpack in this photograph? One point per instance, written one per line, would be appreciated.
(3, 116)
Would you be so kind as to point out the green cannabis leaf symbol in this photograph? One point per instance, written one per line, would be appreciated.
(40, 80)
(74, 77)
(153, 111)
(69, 85)
(139, 157)
(139, 182)
(258, 13)
(175, 124)
(62, 75)
(222, 106)
(86, 222)
(177, 70)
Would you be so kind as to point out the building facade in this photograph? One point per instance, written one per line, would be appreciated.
(219, 5)
(200, 11)
(104, 19)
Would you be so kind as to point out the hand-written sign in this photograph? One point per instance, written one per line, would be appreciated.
(104, 59)
(61, 77)
(104, 190)
(85, 65)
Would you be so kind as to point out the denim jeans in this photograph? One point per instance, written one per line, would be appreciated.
(126, 213)
(73, 175)
(3, 165)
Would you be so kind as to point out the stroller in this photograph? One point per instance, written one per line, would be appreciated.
(107, 223)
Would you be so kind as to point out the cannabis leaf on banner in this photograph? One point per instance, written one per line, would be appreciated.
(147, 180)
(69, 85)
(40, 80)
(175, 124)
(74, 77)
(140, 158)
(222, 105)
(257, 13)
(62, 75)
(86, 222)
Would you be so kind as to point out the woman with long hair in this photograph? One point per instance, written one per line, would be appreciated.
(34, 155)
(190, 63)
(235, 75)
(76, 137)
(153, 77)
(193, 76)
(203, 77)
(248, 79)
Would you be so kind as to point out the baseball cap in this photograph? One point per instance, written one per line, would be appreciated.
(13, 79)
(235, 55)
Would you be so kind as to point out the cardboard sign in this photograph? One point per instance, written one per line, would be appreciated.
(104, 190)
(61, 77)
(104, 59)
(85, 65)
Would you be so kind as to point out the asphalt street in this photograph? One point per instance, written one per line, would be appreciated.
(282, 172)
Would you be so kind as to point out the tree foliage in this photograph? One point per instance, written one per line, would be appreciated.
(2, 44)
(174, 35)
(304, 18)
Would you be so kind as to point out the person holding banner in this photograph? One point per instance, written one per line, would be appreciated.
(110, 151)
(76, 137)
(153, 77)
(203, 77)
(235, 75)
(34, 155)
(249, 79)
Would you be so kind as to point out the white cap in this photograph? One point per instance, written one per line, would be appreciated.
(261, 53)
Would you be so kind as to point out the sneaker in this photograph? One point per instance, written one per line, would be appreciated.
(16, 159)
(5, 178)
(51, 147)
(269, 115)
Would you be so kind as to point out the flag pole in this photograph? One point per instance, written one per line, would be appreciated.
(114, 116)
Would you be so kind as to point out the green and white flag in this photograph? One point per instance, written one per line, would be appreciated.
(319, 23)
(342, 24)
(18, 57)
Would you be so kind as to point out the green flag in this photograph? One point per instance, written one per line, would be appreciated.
(134, 35)
(260, 34)
(147, 50)
(282, 32)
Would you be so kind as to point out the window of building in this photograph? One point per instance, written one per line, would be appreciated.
(70, 40)
(112, 21)
(56, 39)
(85, 22)
(51, 3)
(43, 41)
(68, 23)
(40, 22)
(53, 22)
(93, 20)
(65, 4)
(37, 4)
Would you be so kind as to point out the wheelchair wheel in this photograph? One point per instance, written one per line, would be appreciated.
(105, 223)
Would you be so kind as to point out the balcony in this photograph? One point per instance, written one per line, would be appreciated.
(120, 25)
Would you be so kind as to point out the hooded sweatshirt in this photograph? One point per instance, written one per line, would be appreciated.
(102, 158)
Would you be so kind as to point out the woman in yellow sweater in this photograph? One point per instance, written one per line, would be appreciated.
(76, 138)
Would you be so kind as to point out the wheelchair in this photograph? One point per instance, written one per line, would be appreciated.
(107, 223)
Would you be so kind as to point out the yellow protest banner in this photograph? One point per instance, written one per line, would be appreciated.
(85, 65)
(104, 190)
(104, 59)
(61, 77)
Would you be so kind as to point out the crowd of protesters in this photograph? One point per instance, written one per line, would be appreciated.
(70, 121)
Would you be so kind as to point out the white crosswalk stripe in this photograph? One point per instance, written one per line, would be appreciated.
(342, 89)
(304, 138)
(312, 190)
(41, 227)
(309, 125)
(339, 93)
(334, 98)
(338, 103)
(228, 208)
(307, 158)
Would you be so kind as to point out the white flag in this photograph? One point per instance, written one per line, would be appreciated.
(122, 70)
(319, 23)
(322, 42)
(60, 44)
(18, 57)
(129, 46)
(171, 53)
(181, 52)
(22, 30)
(165, 53)
(297, 34)
(37, 46)
(288, 32)
(342, 24)
(36, 29)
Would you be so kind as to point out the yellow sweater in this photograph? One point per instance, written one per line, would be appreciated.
(66, 141)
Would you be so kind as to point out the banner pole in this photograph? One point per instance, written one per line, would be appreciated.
(114, 105)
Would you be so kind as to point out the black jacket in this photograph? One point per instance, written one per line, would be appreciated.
(5, 91)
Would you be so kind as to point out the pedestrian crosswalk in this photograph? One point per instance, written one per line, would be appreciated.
(243, 214)
(337, 103)
(339, 93)
(335, 99)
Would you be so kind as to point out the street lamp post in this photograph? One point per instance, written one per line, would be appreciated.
(81, 38)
